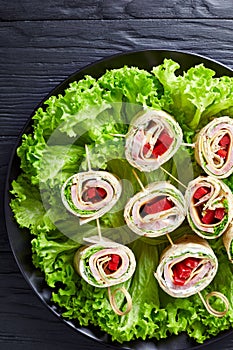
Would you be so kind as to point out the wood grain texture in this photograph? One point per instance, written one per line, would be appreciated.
(50, 52)
(43, 42)
(121, 9)
(6, 146)
(38, 327)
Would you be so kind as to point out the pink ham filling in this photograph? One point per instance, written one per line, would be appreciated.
(223, 152)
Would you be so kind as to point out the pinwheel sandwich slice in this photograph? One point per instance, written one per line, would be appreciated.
(209, 201)
(213, 148)
(105, 264)
(91, 194)
(153, 138)
(155, 211)
(187, 267)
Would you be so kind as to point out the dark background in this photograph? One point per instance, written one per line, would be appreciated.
(41, 43)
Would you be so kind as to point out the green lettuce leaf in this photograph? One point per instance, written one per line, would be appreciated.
(27, 207)
(91, 112)
(196, 95)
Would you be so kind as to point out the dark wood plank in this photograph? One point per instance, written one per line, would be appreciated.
(121, 9)
(36, 56)
(18, 302)
(6, 147)
(25, 323)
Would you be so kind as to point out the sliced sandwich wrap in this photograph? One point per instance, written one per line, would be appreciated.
(187, 267)
(155, 211)
(153, 138)
(105, 264)
(209, 201)
(228, 241)
(213, 148)
(91, 194)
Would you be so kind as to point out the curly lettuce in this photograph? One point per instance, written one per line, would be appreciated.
(91, 112)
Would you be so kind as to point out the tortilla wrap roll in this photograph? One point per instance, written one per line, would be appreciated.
(91, 194)
(187, 267)
(213, 148)
(153, 138)
(105, 264)
(209, 202)
(155, 211)
(228, 242)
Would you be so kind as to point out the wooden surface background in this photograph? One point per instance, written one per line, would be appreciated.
(41, 43)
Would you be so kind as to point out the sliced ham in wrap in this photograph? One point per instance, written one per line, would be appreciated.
(228, 241)
(157, 210)
(153, 138)
(213, 149)
(91, 194)
(209, 202)
(105, 264)
(187, 267)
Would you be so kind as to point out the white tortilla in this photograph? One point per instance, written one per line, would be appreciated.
(188, 246)
(207, 145)
(106, 180)
(138, 129)
(155, 225)
(227, 241)
(102, 280)
(219, 191)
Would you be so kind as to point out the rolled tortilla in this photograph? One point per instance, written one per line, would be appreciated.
(153, 138)
(91, 194)
(228, 242)
(209, 202)
(213, 149)
(157, 210)
(105, 264)
(187, 267)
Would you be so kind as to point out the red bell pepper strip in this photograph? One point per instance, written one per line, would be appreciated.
(200, 192)
(222, 153)
(159, 150)
(219, 213)
(165, 139)
(157, 206)
(101, 192)
(209, 217)
(91, 192)
(114, 262)
(225, 140)
(182, 270)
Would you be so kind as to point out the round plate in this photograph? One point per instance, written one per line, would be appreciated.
(20, 238)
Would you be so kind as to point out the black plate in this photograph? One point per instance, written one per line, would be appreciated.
(20, 239)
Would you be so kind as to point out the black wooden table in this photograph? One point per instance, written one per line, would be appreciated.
(42, 42)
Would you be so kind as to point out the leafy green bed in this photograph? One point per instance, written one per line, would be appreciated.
(193, 99)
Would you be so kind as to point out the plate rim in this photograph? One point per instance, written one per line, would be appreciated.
(9, 217)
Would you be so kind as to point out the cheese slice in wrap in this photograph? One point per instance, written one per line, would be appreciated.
(155, 211)
(210, 203)
(153, 138)
(91, 194)
(228, 241)
(214, 147)
(187, 267)
(105, 264)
